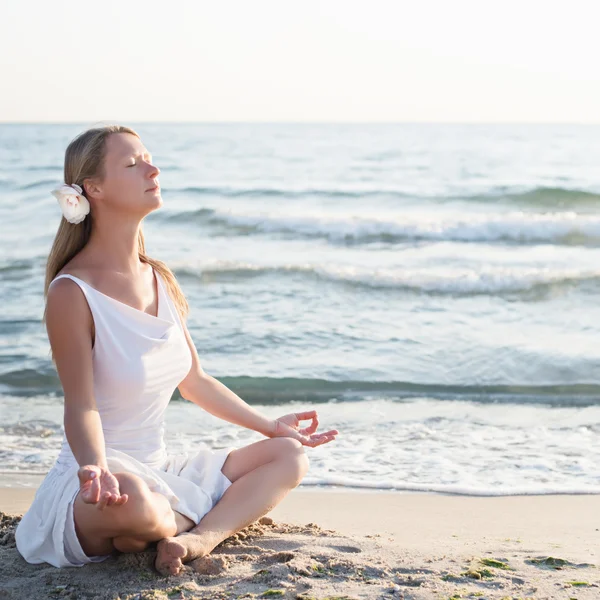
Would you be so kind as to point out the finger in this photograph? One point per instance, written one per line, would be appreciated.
(101, 503)
(122, 499)
(315, 443)
(89, 474)
(94, 490)
(321, 438)
(312, 427)
(103, 500)
(88, 496)
(327, 434)
(307, 414)
(313, 440)
(325, 440)
(84, 477)
(302, 439)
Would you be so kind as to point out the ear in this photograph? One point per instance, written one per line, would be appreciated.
(91, 188)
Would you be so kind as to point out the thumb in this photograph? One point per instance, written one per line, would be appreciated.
(87, 472)
(89, 481)
(293, 433)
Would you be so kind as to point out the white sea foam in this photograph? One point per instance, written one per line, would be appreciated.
(446, 280)
(524, 227)
(458, 447)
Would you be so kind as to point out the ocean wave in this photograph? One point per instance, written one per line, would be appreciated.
(549, 197)
(449, 280)
(276, 390)
(279, 192)
(568, 228)
(279, 390)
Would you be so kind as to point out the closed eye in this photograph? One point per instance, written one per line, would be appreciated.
(149, 159)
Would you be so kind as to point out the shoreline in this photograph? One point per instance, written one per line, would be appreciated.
(569, 521)
(32, 481)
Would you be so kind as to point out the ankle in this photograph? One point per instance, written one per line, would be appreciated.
(206, 539)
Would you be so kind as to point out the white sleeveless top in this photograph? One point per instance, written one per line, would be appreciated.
(138, 361)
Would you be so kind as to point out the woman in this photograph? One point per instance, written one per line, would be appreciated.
(116, 324)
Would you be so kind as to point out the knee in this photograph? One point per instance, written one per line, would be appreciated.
(286, 445)
(145, 511)
(294, 453)
(303, 463)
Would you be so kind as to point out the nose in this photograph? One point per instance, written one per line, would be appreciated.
(154, 171)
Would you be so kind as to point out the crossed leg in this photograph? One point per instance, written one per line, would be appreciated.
(262, 474)
(145, 517)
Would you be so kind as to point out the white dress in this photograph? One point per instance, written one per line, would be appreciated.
(138, 361)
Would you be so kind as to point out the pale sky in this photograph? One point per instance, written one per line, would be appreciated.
(300, 61)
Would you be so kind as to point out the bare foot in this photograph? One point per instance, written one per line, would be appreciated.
(173, 552)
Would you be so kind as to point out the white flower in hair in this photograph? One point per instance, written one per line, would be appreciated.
(74, 205)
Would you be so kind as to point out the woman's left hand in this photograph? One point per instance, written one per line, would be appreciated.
(287, 426)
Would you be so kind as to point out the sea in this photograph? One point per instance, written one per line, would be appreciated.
(431, 290)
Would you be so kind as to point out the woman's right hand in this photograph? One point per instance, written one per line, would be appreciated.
(99, 486)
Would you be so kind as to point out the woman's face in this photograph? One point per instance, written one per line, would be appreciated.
(129, 176)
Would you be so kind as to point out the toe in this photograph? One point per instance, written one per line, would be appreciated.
(175, 549)
(168, 567)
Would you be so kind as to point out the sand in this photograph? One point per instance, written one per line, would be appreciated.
(346, 544)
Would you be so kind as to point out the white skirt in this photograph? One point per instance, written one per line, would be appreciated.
(193, 484)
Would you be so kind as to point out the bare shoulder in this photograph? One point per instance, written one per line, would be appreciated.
(68, 315)
(69, 326)
(65, 289)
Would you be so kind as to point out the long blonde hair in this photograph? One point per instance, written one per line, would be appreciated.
(85, 159)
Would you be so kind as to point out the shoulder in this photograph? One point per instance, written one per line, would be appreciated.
(67, 309)
(66, 301)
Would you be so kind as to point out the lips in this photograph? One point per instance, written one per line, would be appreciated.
(156, 187)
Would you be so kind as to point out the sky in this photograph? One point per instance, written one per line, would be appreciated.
(309, 61)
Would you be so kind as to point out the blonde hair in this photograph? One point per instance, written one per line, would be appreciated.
(85, 159)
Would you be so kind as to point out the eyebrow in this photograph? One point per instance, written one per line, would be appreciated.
(140, 154)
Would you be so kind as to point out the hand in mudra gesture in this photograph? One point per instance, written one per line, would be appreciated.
(288, 426)
(99, 486)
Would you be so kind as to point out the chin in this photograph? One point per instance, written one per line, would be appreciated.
(155, 205)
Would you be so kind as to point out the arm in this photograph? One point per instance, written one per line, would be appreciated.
(217, 399)
(69, 324)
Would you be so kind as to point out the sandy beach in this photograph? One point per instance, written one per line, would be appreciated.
(353, 544)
